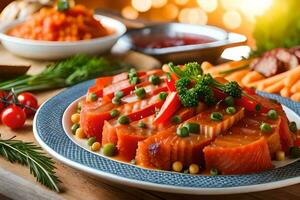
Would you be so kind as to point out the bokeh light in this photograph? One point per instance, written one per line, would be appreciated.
(193, 16)
(129, 12)
(232, 19)
(251, 8)
(170, 11)
(231, 4)
(141, 5)
(158, 3)
(181, 2)
(208, 5)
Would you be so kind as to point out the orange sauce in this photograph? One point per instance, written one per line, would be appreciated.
(49, 24)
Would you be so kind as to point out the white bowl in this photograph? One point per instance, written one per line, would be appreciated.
(48, 50)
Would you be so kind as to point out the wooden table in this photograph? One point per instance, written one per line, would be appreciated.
(17, 183)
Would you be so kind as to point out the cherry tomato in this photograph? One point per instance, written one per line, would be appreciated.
(30, 100)
(13, 116)
(2, 95)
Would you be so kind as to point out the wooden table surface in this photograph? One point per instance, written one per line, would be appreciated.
(17, 183)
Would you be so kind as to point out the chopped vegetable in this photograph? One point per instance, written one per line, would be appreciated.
(280, 155)
(75, 118)
(229, 101)
(79, 133)
(142, 125)
(91, 141)
(96, 146)
(214, 172)
(272, 114)
(176, 119)
(182, 131)
(119, 94)
(123, 119)
(92, 97)
(216, 116)
(194, 169)
(109, 149)
(265, 128)
(74, 128)
(162, 96)
(230, 110)
(293, 127)
(140, 92)
(133, 76)
(192, 127)
(114, 113)
(177, 166)
(116, 101)
(63, 5)
(154, 79)
(229, 71)
(295, 152)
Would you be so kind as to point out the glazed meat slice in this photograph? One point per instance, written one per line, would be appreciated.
(244, 148)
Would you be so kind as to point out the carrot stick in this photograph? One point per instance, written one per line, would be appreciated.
(275, 88)
(296, 87)
(292, 78)
(269, 81)
(252, 77)
(285, 92)
(296, 97)
(206, 66)
(226, 66)
(237, 76)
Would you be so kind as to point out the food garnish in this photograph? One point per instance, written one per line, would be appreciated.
(63, 74)
(28, 154)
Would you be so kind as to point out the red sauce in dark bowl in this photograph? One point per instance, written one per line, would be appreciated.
(158, 42)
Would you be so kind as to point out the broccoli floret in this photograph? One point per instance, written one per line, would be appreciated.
(193, 70)
(206, 79)
(233, 89)
(188, 97)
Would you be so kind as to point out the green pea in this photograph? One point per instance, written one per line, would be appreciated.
(176, 119)
(114, 113)
(229, 101)
(91, 141)
(119, 94)
(295, 152)
(142, 125)
(214, 172)
(109, 149)
(116, 101)
(265, 128)
(132, 70)
(162, 95)
(140, 92)
(293, 127)
(74, 128)
(230, 110)
(154, 79)
(192, 127)
(182, 131)
(134, 80)
(93, 97)
(216, 116)
(123, 119)
(272, 114)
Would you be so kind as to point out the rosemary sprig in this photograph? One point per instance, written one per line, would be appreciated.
(28, 154)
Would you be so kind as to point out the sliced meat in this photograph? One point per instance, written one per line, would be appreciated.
(240, 159)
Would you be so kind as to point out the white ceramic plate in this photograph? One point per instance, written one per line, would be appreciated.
(50, 134)
(48, 50)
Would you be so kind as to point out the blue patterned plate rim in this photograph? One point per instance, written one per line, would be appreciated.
(49, 133)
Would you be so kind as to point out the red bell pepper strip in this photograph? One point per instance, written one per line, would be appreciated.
(170, 106)
(145, 112)
(101, 82)
(171, 82)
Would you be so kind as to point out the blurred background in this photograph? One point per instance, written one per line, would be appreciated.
(233, 15)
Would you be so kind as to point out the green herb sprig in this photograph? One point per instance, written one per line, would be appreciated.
(28, 154)
(64, 73)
